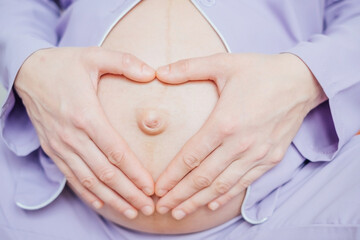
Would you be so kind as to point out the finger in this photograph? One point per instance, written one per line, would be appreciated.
(198, 179)
(211, 175)
(91, 183)
(99, 129)
(226, 158)
(190, 156)
(197, 148)
(262, 164)
(213, 165)
(116, 62)
(245, 181)
(110, 175)
(222, 184)
(85, 194)
(202, 68)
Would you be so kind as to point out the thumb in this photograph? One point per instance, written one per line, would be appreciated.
(194, 69)
(115, 62)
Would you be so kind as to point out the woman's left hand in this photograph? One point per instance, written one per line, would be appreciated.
(263, 101)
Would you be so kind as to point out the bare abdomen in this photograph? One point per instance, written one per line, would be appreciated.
(157, 119)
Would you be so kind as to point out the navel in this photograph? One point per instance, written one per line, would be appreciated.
(151, 121)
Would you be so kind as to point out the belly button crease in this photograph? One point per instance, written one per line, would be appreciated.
(151, 121)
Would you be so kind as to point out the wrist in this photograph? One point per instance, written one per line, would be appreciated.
(30, 70)
(307, 81)
(29, 64)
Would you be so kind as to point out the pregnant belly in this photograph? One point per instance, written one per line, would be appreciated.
(157, 119)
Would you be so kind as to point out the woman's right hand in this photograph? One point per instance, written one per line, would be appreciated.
(58, 87)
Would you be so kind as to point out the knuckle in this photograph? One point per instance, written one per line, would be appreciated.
(191, 161)
(107, 175)
(170, 183)
(81, 119)
(243, 146)
(114, 203)
(175, 199)
(77, 120)
(136, 180)
(227, 197)
(117, 157)
(133, 199)
(277, 156)
(70, 178)
(88, 182)
(240, 149)
(227, 125)
(66, 137)
(262, 152)
(201, 182)
(191, 206)
(54, 145)
(245, 182)
(222, 187)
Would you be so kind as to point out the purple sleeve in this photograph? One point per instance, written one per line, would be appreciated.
(334, 59)
(25, 27)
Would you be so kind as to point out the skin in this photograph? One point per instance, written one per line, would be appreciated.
(236, 145)
(96, 161)
(247, 133)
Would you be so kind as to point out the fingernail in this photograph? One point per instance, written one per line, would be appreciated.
(130, 213)
(214, 205)
(163, 210)
(161, 192)
(148, 191)
(147, 210)
(147, 70)
(164, 70)
(97, 204)
(179, 214)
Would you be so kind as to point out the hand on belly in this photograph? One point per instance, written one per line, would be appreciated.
(157, 119)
